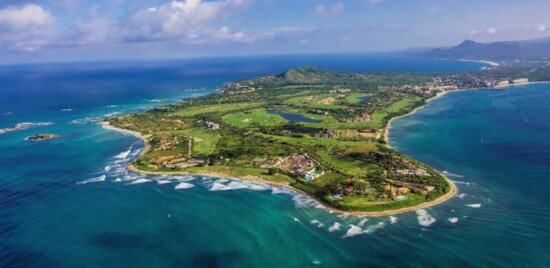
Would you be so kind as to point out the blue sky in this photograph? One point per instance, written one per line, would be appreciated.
(65, 30)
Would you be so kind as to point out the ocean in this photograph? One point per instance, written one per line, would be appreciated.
(69, 202)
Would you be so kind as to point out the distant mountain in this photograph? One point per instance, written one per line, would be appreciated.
(538, 49)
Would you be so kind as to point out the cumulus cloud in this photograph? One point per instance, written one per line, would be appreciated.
(327, 11)
(178, 19)
(26, 28)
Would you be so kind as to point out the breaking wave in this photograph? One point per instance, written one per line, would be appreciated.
(183, 185)
(473, 205)
(139, 181)
(125, 154)
(375, 227)
(393, 219)
(335, 227)
(316, 222)
(353, 231)
(453, 219)
(96, 179)
(449, 174)
(424, 218)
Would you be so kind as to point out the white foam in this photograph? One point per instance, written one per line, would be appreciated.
(424, 218)
(256, 186)
(183, 178)
(125, 154)
(107, 168)
(96, 179)
(67, 110)
(219, 187)
(362, 222)
(474, 205)
(276, 190)
(353, 231)
(163, 181)
(461, 196)
(236, 185)
(304, 201)
(316, 222)
(393, 219)
(131, 177)
(138, 181)
(453, 219)
(344, 216)
(449, 174)
(375, 227)
(222, 181)
(335, 227)
(117, 180)
(183, 185)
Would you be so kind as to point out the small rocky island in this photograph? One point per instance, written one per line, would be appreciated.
(41, 137)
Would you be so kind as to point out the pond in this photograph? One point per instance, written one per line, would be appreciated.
(294, 117)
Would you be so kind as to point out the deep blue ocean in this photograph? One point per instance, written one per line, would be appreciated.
(69, 202)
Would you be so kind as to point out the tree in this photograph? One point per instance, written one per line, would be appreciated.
(272, 171)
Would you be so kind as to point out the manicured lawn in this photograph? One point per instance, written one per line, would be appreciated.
(242, 171)
(254, 117)
(204, 140)
(215, 108)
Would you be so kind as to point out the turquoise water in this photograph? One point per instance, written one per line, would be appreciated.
(52, 214)
(294, 117)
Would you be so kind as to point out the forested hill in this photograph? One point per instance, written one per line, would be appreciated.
(529, 50)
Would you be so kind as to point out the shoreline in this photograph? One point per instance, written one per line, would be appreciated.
(491, 63)
(130, 167)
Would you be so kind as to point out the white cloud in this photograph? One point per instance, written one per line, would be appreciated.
(327, 11)
(26, 28)
(541, 28)
(491, 30)
(178, 19)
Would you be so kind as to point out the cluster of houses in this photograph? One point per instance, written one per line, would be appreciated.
(211, 125)
(317, 111)
(396, 193)
(238, 88)
(412, 172)
(455, 82)
(365, 117)
(327, 133)
(340, 90)
(297, 164)
(168, 142)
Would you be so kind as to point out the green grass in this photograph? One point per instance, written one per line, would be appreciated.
(249, 118)
(354, 98)
(357, 203)
(345, 165)
(204, 140)
(242, 172)
(327, 179)
(315, 101)
(215, 108)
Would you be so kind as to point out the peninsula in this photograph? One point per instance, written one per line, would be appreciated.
(316, 131)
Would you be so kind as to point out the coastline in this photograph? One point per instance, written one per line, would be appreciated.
(491, 63)
(132, 168)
